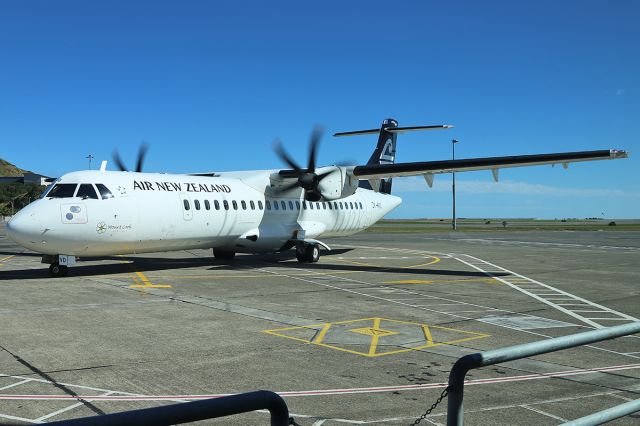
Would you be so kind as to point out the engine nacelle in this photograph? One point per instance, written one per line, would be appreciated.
(338, 184)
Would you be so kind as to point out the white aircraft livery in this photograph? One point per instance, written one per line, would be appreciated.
(98, 212)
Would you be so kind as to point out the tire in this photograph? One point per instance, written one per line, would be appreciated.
(56, 270)
(312, 253)
(224, 255)
(300, 254)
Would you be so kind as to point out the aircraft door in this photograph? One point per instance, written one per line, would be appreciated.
(187, 213)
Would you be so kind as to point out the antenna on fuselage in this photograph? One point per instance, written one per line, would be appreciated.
(103, 165)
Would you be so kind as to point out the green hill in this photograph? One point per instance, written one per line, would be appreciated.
(8, 169)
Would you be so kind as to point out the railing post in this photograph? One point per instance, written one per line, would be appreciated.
(455, 406)
(455, 415)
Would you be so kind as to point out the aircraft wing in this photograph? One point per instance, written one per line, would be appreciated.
(427, 168)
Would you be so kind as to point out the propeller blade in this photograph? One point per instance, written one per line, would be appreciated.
(312, 195)
(118, 161)
(313, 148)
(277, 147)
(141, 154)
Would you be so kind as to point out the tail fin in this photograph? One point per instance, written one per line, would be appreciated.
(385, 152)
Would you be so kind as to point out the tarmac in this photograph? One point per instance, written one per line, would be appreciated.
(366, 336)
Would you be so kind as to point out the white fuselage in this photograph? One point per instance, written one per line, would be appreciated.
(162, 212)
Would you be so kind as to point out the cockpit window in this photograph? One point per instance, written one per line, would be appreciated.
(62, 190)
(86, 191)
(104, 191)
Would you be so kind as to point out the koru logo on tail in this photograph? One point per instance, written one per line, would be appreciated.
(387, 156)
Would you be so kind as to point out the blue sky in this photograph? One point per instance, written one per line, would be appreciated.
(210, 85)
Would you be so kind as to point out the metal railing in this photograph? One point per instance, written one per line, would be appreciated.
(193, 411)
(455, 414)
(606, 415)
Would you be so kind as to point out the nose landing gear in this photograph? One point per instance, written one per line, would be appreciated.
(56, 270)
(59, 264)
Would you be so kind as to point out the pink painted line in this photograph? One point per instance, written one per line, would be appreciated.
(327, 392)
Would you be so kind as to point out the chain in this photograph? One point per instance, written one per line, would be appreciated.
(435, 404)
(292, 422)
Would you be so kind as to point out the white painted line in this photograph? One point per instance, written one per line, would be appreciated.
(474, 262)
(544, 413)
(20, 419)
(329, 392)
(15, 384)
(62, 410)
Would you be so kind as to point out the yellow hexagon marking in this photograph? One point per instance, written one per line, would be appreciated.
(375, 335)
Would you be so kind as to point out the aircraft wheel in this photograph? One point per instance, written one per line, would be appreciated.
(224, 255)
(56, 270)
(301, 254)
(312, 253)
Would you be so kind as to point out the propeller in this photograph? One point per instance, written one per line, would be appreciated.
(308, 179)
(142, 152)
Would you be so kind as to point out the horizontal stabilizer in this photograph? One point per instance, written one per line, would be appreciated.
(394, 130)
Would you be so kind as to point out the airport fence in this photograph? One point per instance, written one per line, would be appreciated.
(455, 390)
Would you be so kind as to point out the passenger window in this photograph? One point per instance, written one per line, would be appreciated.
(268, 203)
(304, 205)
(361, 206)
(350, 205)
(86, 191)
(275, 205)
(197, 204)
(284, 205)
(63, 190)
(324, 206)
(260, 204)
(225, 203)
(244, 204)
(234, 203)
(216, 204)
(186, 204)
(207, 205)
(310, 205)
(297, 205)
(340, 204)
(252, 204)
(104, 191)
(291, 205)
(329, 204)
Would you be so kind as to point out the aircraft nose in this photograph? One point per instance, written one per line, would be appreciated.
(23, 228)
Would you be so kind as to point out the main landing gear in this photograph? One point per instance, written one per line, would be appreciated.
(224, 255)
(307, 253)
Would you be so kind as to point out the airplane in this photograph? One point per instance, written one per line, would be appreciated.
(95, 213)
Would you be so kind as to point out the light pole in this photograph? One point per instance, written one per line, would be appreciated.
(453, 187)
(89, 157)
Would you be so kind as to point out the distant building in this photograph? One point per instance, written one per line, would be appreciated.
(28, 177)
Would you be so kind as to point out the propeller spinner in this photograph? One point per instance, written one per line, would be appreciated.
(307, 179)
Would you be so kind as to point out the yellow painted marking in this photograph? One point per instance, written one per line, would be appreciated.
(470, 280)
(376, 332)
(141, 281)
(322, 333)
(371, 331)
(427, 334)
(7, 258)
(385, 268)
(374, 338)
